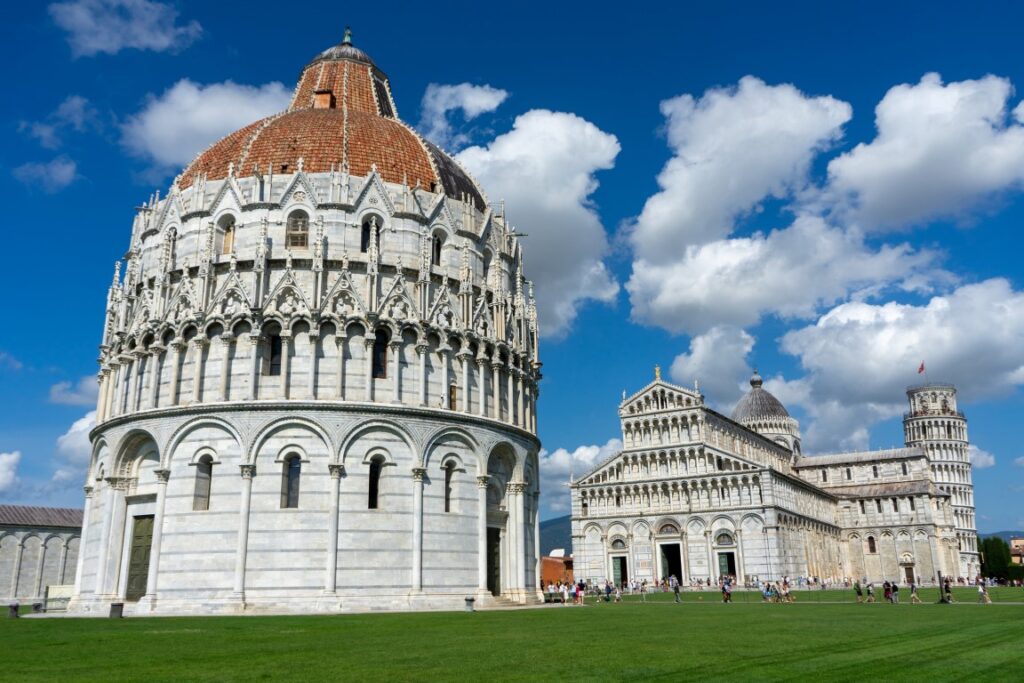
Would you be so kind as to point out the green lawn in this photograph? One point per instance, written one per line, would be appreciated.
(702, 640)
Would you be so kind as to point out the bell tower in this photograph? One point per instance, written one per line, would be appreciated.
(935, 425)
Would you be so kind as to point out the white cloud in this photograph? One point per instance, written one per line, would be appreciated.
(940, 150)
(557, 466)
(1019, 462)
(860, 357)
(441, 100)
(718, 359)
(980, 458)
(9, 470)
(52, 176)
(732, 148)
(789, 272)
(81, 393)
(73, 445)
(10, 362)
(109, 26)
(74, 112)
(545, 168)
(173, 127)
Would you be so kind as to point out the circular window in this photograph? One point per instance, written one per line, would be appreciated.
(723, 539)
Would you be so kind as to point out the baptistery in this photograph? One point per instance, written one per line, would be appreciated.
(318, 376)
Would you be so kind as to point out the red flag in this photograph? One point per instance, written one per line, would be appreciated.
(921, 369)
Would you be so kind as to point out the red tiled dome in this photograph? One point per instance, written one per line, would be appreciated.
(342, 114)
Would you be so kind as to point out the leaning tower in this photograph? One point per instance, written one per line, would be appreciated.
(935, 425)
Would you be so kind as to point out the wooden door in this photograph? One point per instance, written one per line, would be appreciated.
(138, 559)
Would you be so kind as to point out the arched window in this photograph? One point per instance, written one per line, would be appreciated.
(228, 228)
(453, 396)
(373, 488)
(874, 470)
(618, 544)
(273, 365)
(290, 481)
(586, 508)
(437, 243)
(872, 548)
(204, 475)
(380, 354)
(297, 232)
(487, 266)
(371, 229)
(723, 539)
(904, 465)
(449, 472)
(669, 529)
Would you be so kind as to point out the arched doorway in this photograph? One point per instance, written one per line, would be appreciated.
(500, 469)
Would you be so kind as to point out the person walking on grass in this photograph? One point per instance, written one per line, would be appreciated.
(895, 593)
(871, 592)
(983, 597)
(643, 591)
(675, 589)
(948, 592)
(914, 599)
(858, 591)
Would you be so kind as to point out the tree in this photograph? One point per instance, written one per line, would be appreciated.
(995, 557)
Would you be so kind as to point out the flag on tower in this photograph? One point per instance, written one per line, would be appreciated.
(920, 370)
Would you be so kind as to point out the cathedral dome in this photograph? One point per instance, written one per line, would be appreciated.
(341, 117)
(758, 404)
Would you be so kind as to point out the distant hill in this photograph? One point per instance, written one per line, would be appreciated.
(1005, 535)
(556, 533)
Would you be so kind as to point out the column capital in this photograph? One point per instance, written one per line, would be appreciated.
(248, 471)
(464, 354)
(482, 480)
(336, 470)
(395, 344)
(254, 337)
(162, 475)
(496, 363)
(117, 483)
(227, 338)
(418, 473)
(178, 344)
(156, 349)
(516, 487)
(422, 349)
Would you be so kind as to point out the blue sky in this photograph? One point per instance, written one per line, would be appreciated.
(827, 194)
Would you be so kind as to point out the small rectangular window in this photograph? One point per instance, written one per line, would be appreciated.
(824, 475)
(274, 362)
(895, 505)
(878, 504)
(904, 469)
(453, 397)
(862, 511)
(911, 501)
(874, 470)
(849, 474)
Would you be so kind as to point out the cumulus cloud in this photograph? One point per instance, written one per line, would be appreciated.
(789, 272)
(109, 26)
(545, 167)
(74, 113)
(188, 117)
(9, 470)
(10, 362)
(940, 150)
(732, 148)
(440, 101)
(81, 393)
(556, 468)
(73, 445)
(51, 176)
(980, 458)
(718, 358)
(859, 357)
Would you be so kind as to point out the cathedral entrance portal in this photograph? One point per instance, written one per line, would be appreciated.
(494, 561)
(620, 573)
(138, 559)
(671, 561)
(908, 573)
(726, 564)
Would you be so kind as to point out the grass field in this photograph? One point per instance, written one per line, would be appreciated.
(700, 640)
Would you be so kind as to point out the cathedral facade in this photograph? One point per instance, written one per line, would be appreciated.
(319, 376)
(701, 496)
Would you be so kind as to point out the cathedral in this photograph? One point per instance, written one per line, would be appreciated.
(699, 495)
(318, 377)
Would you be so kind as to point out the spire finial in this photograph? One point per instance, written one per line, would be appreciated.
(347, 40)
(657, 372)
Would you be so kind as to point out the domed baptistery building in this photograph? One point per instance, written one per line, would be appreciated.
(318, 377)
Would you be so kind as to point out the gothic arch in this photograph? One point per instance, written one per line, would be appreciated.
(187, 428)
(356, 432)
(268, 430)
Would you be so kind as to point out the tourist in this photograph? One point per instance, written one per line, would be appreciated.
(565, 594)
(948, 591)
(675, 589)
(643, 590)
(887, 591)
(871, 592)
(895, 593)
(607, 591)
(858, 591)
(983, 597)
(914, 599)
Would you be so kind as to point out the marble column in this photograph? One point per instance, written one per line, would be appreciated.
(481, 529)
(128, 381)
(158, 528)
(286, 364)
(684, 558)
(101, 402)
(86, 519)
(521, 536)
(421, 350)
(520, 391)
(248, 472)
(134, 381)
(115, 389)
(177, 346)
(226, 342)
(199, 345)
(442, 354)
(537, 587)
(16, 567)
(61, 569)
(157, 354)
(254, 364)
(104, 550)
(510, 401)
(463, 357)
(396, 370)
(368, 342)
(339, 387)
(331, 573)
(496, 388)
(314, 347)
(741, 573)
(712, 567)
(417, 528)
(118, 511)
(481, 364)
